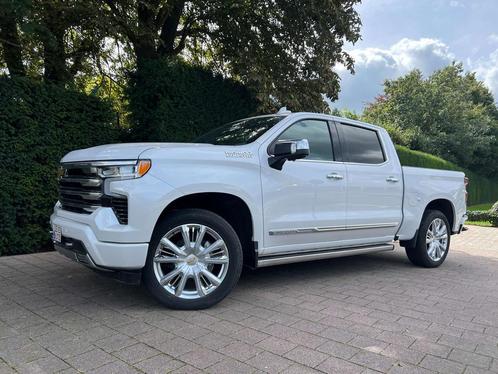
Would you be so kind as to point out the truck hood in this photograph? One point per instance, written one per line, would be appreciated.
(126, 151)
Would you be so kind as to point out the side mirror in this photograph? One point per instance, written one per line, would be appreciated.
(289, 150)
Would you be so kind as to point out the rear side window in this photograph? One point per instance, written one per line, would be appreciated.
(362, 145)
(318, 135)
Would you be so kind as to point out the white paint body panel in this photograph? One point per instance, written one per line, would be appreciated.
(298, 197)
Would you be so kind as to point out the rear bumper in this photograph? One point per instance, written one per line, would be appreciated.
(460, 224)
(110, 255)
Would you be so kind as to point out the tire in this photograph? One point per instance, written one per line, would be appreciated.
(200, 274)
(431, 254)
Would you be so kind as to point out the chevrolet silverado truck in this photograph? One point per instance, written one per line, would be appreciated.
(183, 218)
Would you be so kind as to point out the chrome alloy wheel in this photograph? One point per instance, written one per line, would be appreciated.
(437, 239)
(191, 261)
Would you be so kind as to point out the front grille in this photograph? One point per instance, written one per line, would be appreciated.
(81, 190)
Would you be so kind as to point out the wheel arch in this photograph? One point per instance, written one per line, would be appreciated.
(445, 206)
(230, 207)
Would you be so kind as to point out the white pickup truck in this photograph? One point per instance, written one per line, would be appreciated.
(268, 190)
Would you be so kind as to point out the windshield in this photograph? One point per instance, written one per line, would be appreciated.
(240, 132)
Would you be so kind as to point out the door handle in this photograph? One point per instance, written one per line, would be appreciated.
(392, 179)
(335, 176)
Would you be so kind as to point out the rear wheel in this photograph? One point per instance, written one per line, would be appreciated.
(433, 240)
(194, 259)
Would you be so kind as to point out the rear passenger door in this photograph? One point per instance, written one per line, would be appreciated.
(375, 186)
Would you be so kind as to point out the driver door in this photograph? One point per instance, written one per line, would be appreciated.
(304, 204)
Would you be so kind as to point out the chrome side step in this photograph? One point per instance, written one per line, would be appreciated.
(323, 254)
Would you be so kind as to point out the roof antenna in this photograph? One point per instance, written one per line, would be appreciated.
(284, 110)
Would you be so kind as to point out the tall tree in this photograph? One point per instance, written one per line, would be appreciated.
(450, 114)
(286, 49)
(53, 38)
(10, 13)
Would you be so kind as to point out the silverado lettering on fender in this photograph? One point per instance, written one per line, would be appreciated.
(267, 190)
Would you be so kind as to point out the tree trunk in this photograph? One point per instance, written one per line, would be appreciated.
(54, 55)
(11, 45)
(145, 43)
(169, 29)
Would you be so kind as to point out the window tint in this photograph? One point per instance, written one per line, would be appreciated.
(240, 132)
(317, 133)
(362, 145)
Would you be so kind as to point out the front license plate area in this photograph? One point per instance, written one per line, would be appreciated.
(57, 233)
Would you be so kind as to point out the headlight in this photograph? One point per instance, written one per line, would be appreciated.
(123, 169)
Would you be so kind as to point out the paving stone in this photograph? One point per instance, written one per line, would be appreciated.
(469, 358)
(240, 351)
(269, 362)
(276, 345)
(360, 314)
(431, 348)
(403, 354)
(201, 358)
(116, 367)
(337, 349)
(49, 364)
(369, 344)
(90, 360)
(373, 361)
(230, 366)
(159, 364)
(306, 356)
(441, 365)
(339, 366)
(136, 353)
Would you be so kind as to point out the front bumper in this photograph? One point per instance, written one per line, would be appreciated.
(76, 251)
(102, 254)
(108, 243)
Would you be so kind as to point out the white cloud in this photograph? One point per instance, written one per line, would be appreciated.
(487, 71)
(493, 38)
(374, 65)
(456, 4)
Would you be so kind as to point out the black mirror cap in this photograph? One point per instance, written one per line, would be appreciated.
(285, 148)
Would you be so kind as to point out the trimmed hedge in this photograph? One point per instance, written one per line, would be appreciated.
(480, 189)
(483, 215)
(171, 101)
(39, 123)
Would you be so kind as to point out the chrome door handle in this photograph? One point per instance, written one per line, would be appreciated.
(392, 179)
(335, 176)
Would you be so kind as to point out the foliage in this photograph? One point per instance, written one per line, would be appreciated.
(172, 101)
(284, 50)
(344, 113)
(483, 216)
(480, 189)
(39, 123)
(439, 115)
(53, 38)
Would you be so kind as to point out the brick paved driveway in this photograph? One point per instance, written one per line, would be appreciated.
(362, 314)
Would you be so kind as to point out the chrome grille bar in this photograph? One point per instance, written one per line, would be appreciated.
(81, 190)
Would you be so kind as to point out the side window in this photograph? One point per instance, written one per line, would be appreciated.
(318, 135)
(362, 145)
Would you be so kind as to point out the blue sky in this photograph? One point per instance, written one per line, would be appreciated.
(401, 35)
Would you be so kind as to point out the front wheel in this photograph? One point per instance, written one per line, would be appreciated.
(433, 241)
(194, 259)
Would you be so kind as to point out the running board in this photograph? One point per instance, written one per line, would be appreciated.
(321, 255)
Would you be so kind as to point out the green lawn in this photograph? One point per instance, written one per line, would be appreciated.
(486, 206)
